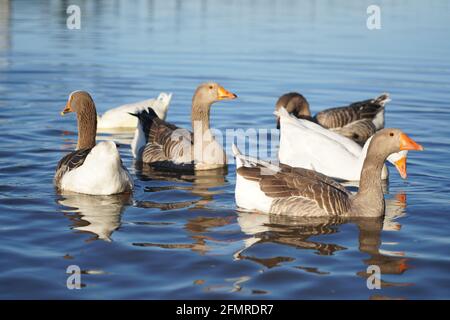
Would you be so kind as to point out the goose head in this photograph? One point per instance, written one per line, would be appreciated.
(397, 159)
(294, 103)
(82, 104)
(78, 102)
(393, 145)
(210, 92)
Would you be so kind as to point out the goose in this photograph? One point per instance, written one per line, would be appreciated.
(308, 145)
(94, 169)
(165, 145)
(264, 187)
(357, 121)
(120, 117)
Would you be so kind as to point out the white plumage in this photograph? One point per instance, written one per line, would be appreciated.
(120, 117)
(101, 173)
(138, 142)
(248, 194)
(308, 145)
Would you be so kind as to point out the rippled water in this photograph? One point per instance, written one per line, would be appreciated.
(180, 236)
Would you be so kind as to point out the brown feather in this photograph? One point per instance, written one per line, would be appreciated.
(319, 192)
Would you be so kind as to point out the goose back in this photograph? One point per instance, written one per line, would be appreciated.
(166, 145)
(298, 191)
(340, 116)
(120, 117)
(359, 130)
(70, 162)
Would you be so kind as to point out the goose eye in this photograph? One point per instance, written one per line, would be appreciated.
(210, 87)
(391, 134)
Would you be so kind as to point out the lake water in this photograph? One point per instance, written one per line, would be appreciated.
(180, 236)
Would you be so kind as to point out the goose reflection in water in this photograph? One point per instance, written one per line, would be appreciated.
(99, 215)
(297, 231)
(203, 184)
(395, 207)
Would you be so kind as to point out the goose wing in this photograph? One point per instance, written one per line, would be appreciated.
(341, 116)
(313, 175)
(70, 162)
(308, 145)
(295, 188)
(120, 117)
(299, 189)
(165, 141)
(359, 131)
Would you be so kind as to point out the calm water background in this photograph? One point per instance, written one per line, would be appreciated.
(181, 236)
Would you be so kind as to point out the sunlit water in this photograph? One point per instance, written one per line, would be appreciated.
(180, 236)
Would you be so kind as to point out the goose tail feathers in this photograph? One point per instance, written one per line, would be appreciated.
(383, 99)
(248, 161)
(281, 112)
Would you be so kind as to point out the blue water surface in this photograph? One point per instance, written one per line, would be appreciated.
(180, 236)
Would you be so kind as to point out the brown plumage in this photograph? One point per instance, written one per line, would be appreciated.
(357, 121)
(295, 189)
(165, 142)
(359, 131)
(303, 192)
(82, 103)
(168, 146)
(95, 169)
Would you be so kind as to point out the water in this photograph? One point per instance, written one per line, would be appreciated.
(181, 236)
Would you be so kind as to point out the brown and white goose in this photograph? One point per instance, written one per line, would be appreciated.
(165, 145)
(264, 187)
(357, 121)
(92, 168)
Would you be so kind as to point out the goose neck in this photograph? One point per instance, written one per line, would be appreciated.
(200, 119)
(369, 200)
(87, 127)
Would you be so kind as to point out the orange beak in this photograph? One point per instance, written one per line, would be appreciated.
(67, 109)
(406, 143)
(401, 167)
(223, 94)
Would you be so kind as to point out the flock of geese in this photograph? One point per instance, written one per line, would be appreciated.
(345, 143)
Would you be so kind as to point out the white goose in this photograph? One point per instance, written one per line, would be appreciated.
(357, 121)
(308, 145)
(120, 117)
(92, 168)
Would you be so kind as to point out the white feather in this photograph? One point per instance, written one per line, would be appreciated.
(120, 117)
(101, 173)
(308, 145)
(248, 194)
(138, 141)
(378, 120)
